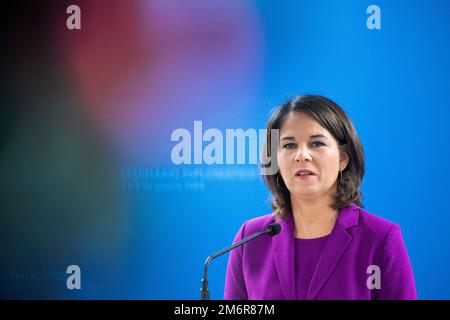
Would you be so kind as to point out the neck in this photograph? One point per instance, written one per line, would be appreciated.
(312, 218)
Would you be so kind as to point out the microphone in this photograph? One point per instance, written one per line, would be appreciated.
(271, 230)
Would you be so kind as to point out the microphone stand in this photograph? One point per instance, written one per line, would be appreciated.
(271, 229)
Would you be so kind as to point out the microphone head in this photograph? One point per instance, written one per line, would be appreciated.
(273, 229)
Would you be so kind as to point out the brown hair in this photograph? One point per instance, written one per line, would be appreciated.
(333, 118)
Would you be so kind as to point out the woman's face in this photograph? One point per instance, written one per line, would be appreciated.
(304, 144)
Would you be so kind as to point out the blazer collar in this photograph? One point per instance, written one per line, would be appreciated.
(283, 249)
(348, 216)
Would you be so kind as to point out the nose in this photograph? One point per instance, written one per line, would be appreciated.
(302, 156)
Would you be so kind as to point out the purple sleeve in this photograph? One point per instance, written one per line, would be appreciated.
(397, 278)
(234, 281)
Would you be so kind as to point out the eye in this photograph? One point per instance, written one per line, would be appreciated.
(289, 146)
(318, 144)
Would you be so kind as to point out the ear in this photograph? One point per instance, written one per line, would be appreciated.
(343, 157)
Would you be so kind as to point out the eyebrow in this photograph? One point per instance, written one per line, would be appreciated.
(311, 137)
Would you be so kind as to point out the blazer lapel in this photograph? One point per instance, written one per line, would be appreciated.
(334, 248)
(283, 250)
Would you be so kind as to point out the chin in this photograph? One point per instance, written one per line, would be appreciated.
(306, 193)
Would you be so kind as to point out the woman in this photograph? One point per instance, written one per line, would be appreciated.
(328, 247)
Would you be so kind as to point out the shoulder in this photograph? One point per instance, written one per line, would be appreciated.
(375, 226)
(383, 240)
(257, 224)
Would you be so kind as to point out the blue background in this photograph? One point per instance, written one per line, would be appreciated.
(77, 151)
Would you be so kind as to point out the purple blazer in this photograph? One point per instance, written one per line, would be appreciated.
(263, 268)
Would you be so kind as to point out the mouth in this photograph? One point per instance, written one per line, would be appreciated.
(304, 173)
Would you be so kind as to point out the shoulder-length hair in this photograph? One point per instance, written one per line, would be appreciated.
(333, 118)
